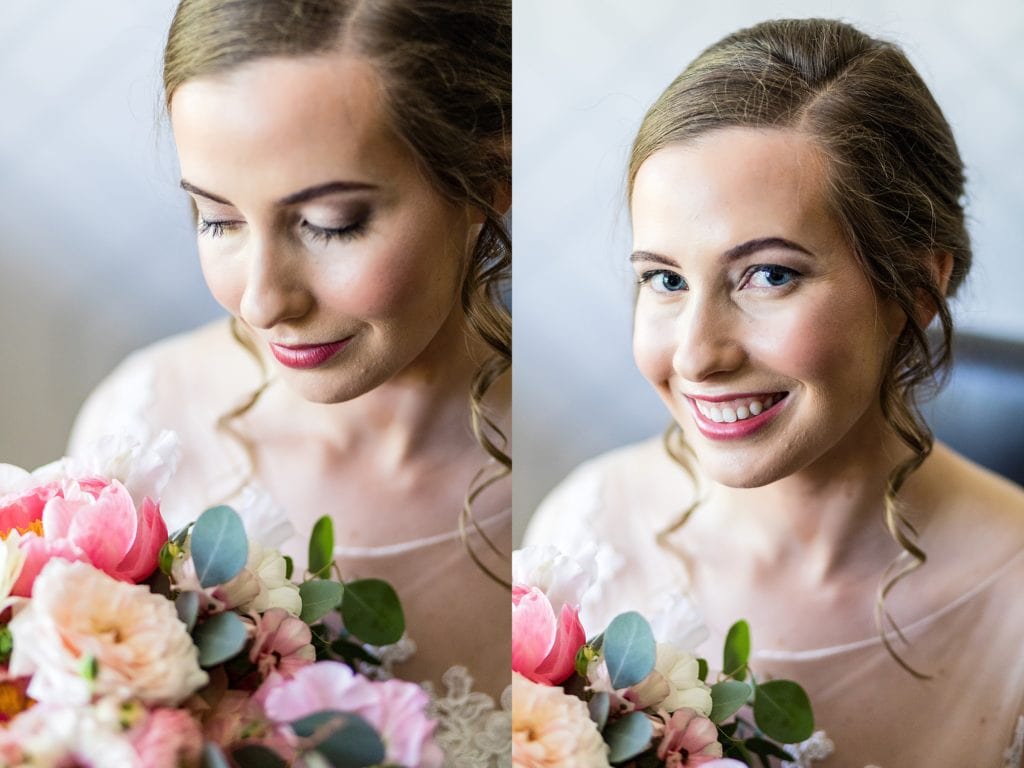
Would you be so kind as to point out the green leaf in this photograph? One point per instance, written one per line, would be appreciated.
(353, 652)
(372, 612)
(187, 606)
(702, 670)
(599, 706)
(6, 643)
(212, 757)
(737, 650)
(629, 649)
(727, 697)
(344, 739)
(321, 547)
(219, 638)
(257, 756)
(318, 597)
(767, 748)
(165, 559)
(628, 737)
(783, 711)
(219, 546)
(289, 567)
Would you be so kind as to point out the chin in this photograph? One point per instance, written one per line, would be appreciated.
(329, 390)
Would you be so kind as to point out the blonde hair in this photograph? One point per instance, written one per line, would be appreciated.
(895, 186)
(446, 72)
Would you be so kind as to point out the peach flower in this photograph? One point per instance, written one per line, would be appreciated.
(281, 642)
(552, 729)
(82, 623)
(168, 738)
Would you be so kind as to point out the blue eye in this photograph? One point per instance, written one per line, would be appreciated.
(772, 276)
(663, 281)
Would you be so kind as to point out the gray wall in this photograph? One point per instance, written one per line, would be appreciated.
(97, 253)
(585, 72)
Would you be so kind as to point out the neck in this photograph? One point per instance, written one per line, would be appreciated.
(822, 523)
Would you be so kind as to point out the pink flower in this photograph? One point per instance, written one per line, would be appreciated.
(168, 738)
(90, 520)
(544, 646)
(282, 643)
(551, 729)
(690, 739)
(395, 709)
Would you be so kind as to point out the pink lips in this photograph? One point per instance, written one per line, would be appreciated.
(306, 356)
(714, 430)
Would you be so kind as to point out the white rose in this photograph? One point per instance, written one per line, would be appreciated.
(80, 617)
(563, 579)
(680, 670)
(275, 590)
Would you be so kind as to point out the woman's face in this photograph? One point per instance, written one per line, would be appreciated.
(754, 321)
(316, 226)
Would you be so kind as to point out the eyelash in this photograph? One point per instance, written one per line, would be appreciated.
(321, 234)
(794, 277)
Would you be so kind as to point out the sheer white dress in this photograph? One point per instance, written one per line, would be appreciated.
(455, 617)
(869, 711)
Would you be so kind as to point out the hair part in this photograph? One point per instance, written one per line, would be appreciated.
(445, 69)
(895, 184)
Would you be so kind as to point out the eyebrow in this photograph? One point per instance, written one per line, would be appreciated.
(736, 252)
(302, 196)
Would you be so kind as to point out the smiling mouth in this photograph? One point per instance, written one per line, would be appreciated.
(738, 409)
(306, 356)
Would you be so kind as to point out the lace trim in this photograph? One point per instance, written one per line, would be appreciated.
(818, 747)
(472, 732)
(1014, 755)
(401, 548)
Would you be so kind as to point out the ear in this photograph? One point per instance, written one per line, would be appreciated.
(941, 268)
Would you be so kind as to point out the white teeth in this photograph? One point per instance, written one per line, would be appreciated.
(728, 415)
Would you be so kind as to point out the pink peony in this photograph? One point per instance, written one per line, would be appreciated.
(544, 646)
(395, 709)
(690, 739)
(90, 520)
(282, 643)
(168, 738)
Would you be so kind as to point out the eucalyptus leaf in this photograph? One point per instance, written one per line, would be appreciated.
(212, 757)
(344, 739)
(767, 748)
(318, 597)
(257, 756)
(737, 650)
(353, 652)
(372, 612)
(187, 606)
(629, 649)
(219, 546)
(727, 697)
(219, 638)
(628, 737)
(599, 706)
(783, 711)
(321, 547)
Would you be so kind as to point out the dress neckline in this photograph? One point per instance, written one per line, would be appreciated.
(404, 547)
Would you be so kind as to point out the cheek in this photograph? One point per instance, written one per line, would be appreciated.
(224, 279)
(652, 347)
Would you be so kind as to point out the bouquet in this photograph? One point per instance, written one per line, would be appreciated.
(121, 645)
(635, 694)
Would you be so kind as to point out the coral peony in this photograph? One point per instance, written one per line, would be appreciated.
(551, 728)
(544, 645)
(690, 739)
(394, 708)
(81, 623)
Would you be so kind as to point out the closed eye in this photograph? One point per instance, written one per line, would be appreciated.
(327, 234)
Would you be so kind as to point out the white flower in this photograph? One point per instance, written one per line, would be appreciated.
(144, 468)
(83, 624)
(55, 734)
(12, 558)
(678, 622)
(274, 590)
(264, 516)
(563, 579)
(680, 670)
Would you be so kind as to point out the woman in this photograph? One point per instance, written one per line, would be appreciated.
(349, 165)
(796, 205)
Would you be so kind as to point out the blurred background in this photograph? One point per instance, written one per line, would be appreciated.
(97, 251)
(585, 71)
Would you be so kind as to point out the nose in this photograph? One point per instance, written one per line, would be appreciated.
(708, 339)
(275, 287)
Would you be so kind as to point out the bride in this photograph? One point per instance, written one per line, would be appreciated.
(795, 197)
(350, 167)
